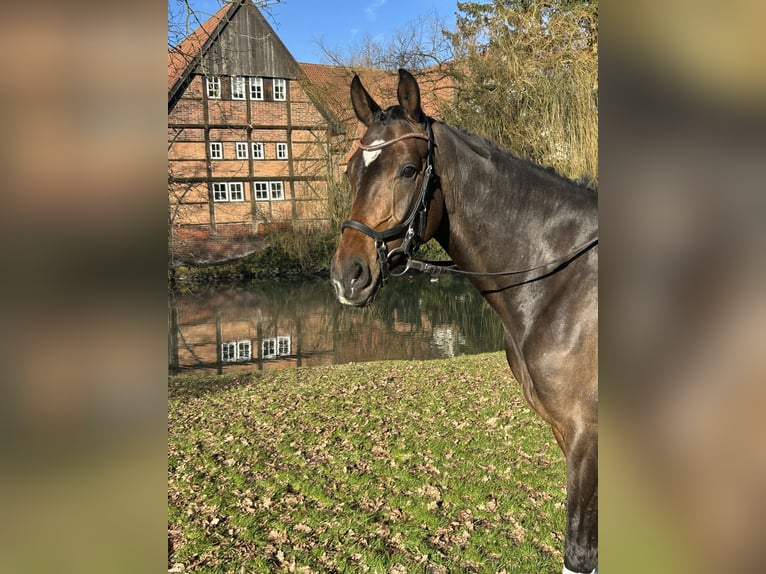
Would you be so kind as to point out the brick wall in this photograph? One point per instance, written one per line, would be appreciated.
(191, 244)
(240, 224)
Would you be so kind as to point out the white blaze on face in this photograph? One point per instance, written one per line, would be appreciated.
(339, 292)
(371, 156)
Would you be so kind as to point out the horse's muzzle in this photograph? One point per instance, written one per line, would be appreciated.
(354, 282)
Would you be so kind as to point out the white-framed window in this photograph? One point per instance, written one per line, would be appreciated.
(283, 345)
(258, 150)
(220, 191)
(236, 191)
(237, 351)
(256, 88)
(266, 190)
(277, 190)
(229, 352)
(275, 347)
(261, 190)
(228, 191)
(269, 348)
(241, 148)
(216, 150)
(245, 349)
(213, 88)
(281, 151)
(237, 88)
(280, 89)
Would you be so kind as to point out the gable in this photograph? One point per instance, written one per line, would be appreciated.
(247, 46)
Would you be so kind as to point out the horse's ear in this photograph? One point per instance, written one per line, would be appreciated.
(409, 95)
(364, 106)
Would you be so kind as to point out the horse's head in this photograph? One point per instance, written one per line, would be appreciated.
(392, 184)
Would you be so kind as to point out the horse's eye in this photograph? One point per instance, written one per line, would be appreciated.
(408, 171)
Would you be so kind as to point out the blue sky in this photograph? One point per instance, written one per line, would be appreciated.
(339, 24)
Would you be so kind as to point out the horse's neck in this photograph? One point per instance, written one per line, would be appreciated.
(497, 202)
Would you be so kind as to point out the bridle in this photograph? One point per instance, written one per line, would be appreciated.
(413, 228)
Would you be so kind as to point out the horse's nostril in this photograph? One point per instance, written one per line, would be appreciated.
(356, 272)
(358, 275)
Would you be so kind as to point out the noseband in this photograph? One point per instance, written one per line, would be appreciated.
(411, 229)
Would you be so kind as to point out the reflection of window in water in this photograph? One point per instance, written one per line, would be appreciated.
(447, 341)
(275, 347)
(237, 351)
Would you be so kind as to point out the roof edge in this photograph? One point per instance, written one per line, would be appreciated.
(224, 20)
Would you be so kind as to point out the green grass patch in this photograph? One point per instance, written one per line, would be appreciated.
(436, 466)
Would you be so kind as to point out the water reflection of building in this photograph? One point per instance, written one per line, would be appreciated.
(232, 330)
(448, 340)
(290, 325)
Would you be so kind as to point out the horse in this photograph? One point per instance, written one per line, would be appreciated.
(525, 237)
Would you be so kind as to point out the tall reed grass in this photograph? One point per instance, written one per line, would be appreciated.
(527, 79)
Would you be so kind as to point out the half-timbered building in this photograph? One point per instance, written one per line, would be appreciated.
(254, 137)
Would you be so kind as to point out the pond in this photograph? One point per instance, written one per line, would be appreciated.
(281, 323)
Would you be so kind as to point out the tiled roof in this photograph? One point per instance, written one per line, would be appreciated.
(332, 85)
(181, 56)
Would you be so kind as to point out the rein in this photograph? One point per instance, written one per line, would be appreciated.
(417, 217)
(447, 267)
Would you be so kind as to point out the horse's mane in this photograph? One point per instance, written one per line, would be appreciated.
(486, 149)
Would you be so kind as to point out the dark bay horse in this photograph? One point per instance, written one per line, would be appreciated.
(526, 238)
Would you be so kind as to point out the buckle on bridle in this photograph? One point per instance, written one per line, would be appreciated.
(382, 249)
(407, 249)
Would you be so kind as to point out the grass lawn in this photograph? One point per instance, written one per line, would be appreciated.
(432, 467)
